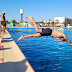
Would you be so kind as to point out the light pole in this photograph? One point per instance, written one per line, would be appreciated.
(21, 12)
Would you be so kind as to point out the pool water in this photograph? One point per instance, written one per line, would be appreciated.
(45, 54)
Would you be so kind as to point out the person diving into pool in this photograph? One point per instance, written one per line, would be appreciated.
(46, 32)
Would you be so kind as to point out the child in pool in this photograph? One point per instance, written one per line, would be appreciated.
(46, 32)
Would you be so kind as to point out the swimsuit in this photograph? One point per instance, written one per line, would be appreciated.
(4, 24)
(46, 32)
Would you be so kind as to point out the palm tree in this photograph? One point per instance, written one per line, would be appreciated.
(42, 22)
(57, 21)
(48, 23)
(65, 23)
(53, 23)
(7, 22)
(49, 20)
(71, 23)
(13, 20)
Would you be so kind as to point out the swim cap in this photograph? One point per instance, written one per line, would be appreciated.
(3, 12)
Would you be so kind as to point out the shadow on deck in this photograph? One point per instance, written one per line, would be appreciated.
(13, 66)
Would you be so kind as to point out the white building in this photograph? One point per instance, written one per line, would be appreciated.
(62, 19)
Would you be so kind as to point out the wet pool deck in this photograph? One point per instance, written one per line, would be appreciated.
(11, 57)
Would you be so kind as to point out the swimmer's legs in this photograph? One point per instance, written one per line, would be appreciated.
(4, 29)
(31, 35)
(35, 25)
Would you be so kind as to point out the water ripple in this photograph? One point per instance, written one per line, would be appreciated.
(45, 54)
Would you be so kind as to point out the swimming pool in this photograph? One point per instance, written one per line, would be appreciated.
(45, 54)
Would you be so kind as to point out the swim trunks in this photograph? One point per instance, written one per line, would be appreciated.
(4, 24)
(46, 32)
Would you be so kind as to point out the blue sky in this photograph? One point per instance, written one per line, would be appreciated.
(39, 9)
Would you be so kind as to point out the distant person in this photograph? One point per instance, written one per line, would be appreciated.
(46, 32)
(3, 22)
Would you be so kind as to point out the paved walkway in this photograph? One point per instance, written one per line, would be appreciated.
(11, 57)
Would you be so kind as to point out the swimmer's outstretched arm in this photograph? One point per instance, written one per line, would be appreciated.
(31, 35)
(67, 40)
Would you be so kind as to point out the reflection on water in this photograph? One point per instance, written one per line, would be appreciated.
(45, 54)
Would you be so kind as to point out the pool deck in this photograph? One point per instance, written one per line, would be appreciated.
(11, 57)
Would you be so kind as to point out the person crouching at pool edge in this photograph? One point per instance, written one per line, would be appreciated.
(46, 32)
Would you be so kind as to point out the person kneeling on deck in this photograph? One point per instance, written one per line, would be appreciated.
(46, 32)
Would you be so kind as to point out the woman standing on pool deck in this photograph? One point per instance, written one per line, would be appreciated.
(46, 32)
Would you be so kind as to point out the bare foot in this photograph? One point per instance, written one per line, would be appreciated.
(21, 37)
(29, 17)
(4, 32)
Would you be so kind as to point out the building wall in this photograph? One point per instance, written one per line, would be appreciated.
(61, 19)
(69, 19)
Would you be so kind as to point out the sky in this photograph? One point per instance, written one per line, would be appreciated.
(40, 10)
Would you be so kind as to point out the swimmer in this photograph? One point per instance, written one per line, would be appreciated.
(46, 32)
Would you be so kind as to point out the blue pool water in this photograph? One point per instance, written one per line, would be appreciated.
(45, 54)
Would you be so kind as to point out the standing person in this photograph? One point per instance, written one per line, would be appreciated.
(3, 21)
(46, 32)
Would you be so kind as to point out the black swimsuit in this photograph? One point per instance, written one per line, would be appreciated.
(46, 32)
(2, 22)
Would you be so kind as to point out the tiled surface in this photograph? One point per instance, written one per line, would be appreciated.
(11, 57)
(1, 59)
